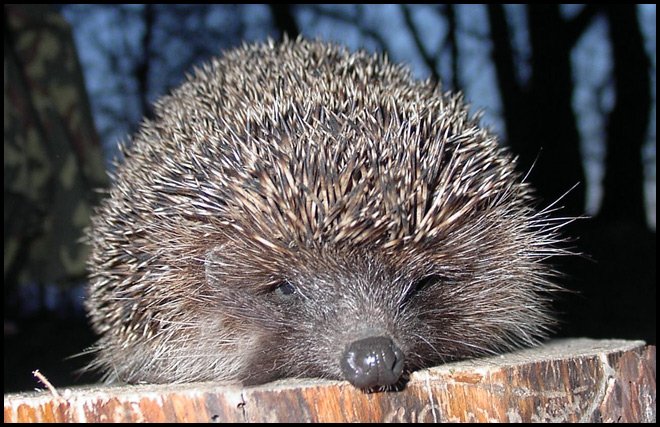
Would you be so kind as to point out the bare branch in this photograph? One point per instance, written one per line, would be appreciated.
(428, 59)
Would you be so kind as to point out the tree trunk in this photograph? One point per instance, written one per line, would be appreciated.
(628, 123)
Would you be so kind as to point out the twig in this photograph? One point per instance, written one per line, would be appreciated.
(47, 383)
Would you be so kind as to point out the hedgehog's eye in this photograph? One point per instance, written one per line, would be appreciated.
(285, 289)
(422, 284)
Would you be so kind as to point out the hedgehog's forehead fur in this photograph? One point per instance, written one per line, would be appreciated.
(305, 144)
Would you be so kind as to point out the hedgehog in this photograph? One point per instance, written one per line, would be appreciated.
(295, 209)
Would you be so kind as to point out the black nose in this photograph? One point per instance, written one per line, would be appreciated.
(373, 361)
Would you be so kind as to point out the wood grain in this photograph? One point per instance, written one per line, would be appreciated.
(564, 381)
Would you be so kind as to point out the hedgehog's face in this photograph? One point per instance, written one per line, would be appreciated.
(332, 315)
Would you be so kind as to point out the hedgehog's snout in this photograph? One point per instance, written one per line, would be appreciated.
(372, 362)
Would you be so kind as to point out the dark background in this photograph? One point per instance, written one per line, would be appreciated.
(571, 89)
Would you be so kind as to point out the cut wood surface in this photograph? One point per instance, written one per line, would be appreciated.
(564, 380)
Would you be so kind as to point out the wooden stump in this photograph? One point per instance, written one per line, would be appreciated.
(565, 381)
